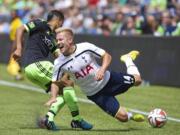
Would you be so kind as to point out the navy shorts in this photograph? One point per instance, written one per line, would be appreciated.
(117, 84)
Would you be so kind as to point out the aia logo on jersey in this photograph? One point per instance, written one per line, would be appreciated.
(84, 72)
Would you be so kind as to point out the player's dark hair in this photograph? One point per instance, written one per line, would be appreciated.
(54, 13)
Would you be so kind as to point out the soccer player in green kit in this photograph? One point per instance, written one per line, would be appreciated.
(38, 68)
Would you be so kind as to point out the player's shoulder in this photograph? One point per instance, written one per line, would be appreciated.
(39, 20)
(60, 60)
(84, 45)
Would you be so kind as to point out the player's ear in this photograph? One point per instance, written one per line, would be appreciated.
(70, 39)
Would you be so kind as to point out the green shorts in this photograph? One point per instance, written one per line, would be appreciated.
(40, 73)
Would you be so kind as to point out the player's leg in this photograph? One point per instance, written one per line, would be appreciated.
(45, 74)
(124, 115)
(40, 73)
(71, 101)
(111, 106)
(131, 67)
(14, 68)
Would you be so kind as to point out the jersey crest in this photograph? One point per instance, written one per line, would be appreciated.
(31, 25)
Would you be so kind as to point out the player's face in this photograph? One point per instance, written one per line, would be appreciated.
(58, 23)
(63, 41)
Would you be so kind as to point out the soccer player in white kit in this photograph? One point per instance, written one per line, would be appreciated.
(100, 85)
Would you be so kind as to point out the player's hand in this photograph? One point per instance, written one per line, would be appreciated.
(66, 81)
(50, 101)
(100, 74)
(17, 54)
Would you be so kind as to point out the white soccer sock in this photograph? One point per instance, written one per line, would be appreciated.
(130, 115)
(50, 116)
(131, 67)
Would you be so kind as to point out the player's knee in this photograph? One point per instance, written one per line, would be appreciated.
(122, 118)
(122, 115)
(138, 80)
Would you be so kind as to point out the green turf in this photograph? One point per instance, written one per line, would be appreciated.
(20, 108)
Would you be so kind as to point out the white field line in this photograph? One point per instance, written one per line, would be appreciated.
(31, 88)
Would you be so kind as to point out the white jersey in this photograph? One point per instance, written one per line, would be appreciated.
(82, 67)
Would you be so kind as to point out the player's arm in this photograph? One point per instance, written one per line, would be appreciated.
(54, 93)
(59, 81)
(57, 88)
(100, 53)
(58, 85)
(19, 42)
(106, 60)
(29, 27)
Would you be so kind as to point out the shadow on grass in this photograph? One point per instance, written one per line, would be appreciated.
(92, 130)
(102, 130)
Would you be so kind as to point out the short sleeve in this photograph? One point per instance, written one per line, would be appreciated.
(35, 25)
(97, 51)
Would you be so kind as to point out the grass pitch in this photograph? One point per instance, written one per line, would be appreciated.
(19, 109)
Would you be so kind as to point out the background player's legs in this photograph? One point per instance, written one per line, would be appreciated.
(13, 66)
(14, 69)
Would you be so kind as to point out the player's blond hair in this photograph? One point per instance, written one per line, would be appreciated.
(68, 30)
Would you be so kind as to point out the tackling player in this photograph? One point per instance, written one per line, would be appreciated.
(100, 85)
(38, 69)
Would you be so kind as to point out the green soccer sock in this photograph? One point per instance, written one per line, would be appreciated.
(55, 107)
(71, 101)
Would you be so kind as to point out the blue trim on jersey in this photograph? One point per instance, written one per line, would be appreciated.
(88, 51)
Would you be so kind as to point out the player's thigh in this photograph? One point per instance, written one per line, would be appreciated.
(119, 83)
(40, 73)
(107, 103)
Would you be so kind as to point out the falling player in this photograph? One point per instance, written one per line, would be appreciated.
(100, 85)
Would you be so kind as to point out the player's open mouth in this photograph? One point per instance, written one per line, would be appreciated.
(61, 46)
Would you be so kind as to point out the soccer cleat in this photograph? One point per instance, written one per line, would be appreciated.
(132, 54)
(50, 125)
(138, 118)
(45, 123)
(81, 124)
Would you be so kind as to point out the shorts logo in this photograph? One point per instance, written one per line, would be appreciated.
(84, 72)
(128, 79)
